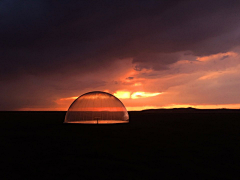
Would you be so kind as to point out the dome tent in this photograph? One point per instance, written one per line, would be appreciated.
(97, 108)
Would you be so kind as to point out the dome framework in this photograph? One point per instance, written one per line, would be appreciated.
(97, 108)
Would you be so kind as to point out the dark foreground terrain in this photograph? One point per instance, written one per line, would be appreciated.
(154, 145)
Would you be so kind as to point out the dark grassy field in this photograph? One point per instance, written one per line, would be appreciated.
(154, 145)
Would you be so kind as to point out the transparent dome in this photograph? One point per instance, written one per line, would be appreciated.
(97, 108)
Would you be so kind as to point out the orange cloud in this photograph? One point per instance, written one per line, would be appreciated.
(63, 101)
(197, 84)
(217, 74)
(69, 98)
(217, 56)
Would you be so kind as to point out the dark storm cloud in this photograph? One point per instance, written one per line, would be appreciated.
(39, 37)
(47, 38)
(155, 61)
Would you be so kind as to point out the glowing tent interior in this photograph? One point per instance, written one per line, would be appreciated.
(97, 108)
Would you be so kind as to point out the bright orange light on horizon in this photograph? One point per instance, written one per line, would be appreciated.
(100, 109)
(139, 108)
(171, 106)
(204, 106)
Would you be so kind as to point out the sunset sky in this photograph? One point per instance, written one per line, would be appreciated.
(149, 54)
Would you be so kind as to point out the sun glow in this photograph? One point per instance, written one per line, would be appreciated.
(134, 95)
(122, 94)
(138, 84)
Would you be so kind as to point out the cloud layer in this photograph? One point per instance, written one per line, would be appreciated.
(54, 50)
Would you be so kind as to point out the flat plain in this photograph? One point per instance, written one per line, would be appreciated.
(164, 144)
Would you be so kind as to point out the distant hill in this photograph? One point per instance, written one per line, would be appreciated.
(191, 110)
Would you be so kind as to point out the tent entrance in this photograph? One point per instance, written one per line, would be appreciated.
(97, 118)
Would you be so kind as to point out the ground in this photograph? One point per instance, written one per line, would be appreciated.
(154, 145)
